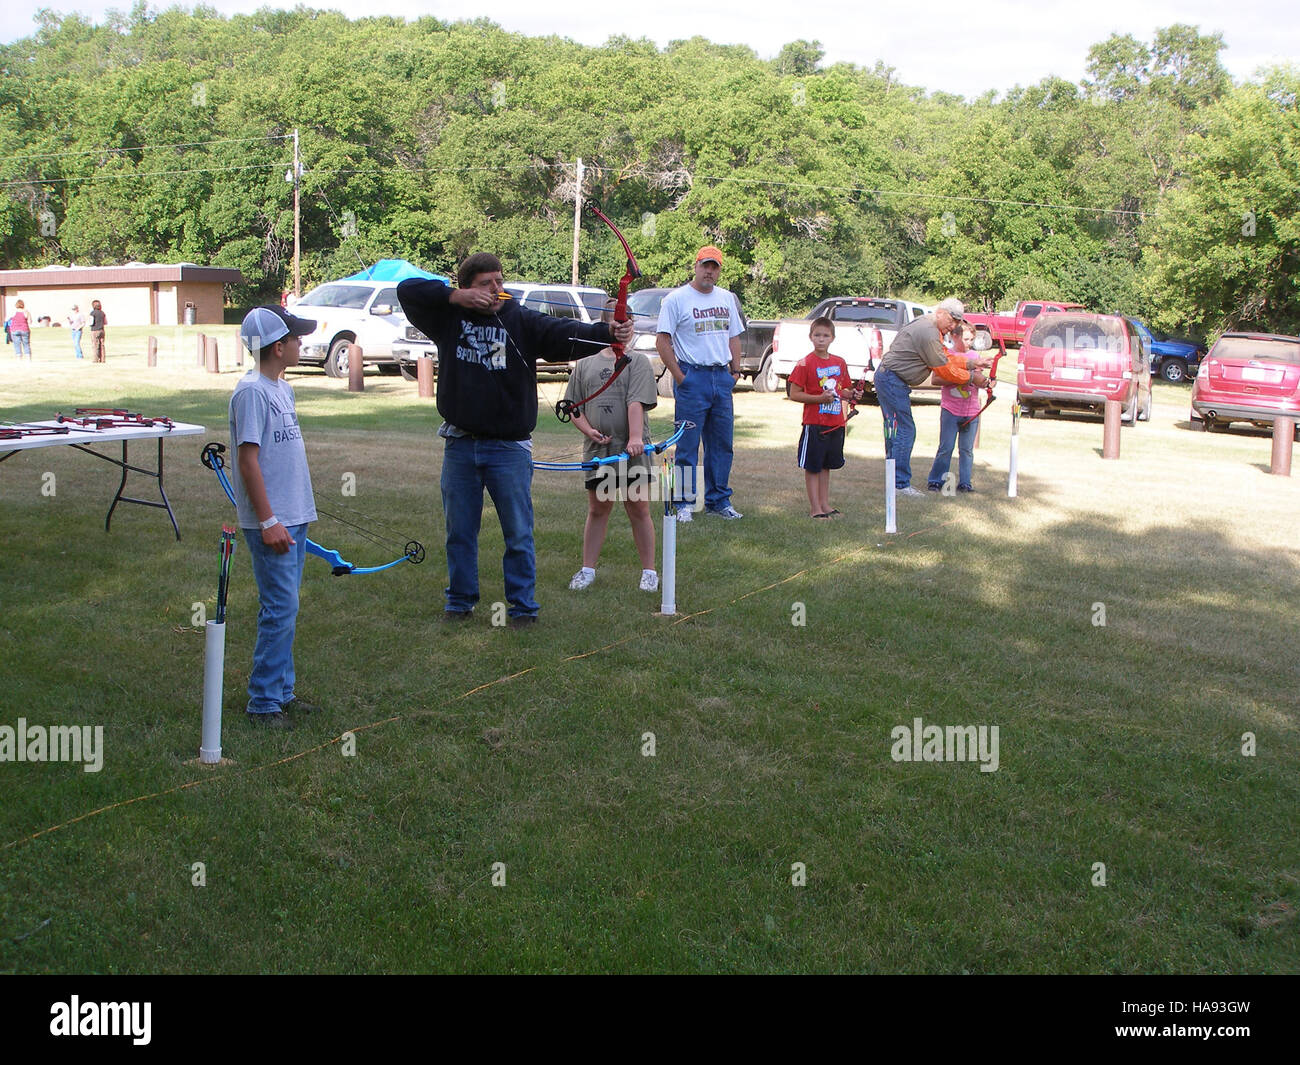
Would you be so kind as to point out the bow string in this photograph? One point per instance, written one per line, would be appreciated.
(993, 379)
(213, 457)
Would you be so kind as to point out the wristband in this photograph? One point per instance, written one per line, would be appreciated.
(272, 520)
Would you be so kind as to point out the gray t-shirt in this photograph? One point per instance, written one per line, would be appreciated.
(262, 412)
(608, 411)
(916, 352)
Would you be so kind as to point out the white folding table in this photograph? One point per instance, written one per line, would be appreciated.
(80, 437)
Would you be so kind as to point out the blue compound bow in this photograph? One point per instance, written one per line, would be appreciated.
(213, 457)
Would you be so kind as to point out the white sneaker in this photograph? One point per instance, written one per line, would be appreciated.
(728, 511)
(582, 579)
(684, 514)
(649, 580)
(909, 491)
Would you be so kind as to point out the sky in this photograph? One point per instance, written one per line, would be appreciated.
(965, 47)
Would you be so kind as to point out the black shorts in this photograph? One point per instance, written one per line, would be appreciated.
(818, 452)
(614, 480)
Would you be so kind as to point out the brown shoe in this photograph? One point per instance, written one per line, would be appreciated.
(277, 719)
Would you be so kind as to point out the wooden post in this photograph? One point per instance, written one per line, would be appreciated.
(424, 375)
(203, 351)
(1110, 431)
(356, 369)
(211, 355)
(153, 352)
(1283, 438)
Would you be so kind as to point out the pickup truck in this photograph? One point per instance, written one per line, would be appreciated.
(864, 328)
(755, 341)
(1011, 327)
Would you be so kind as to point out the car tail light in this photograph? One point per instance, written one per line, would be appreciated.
(877, 344)
(1203, 371)
(776, 341)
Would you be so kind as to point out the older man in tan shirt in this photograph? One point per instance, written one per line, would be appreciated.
(916, 353)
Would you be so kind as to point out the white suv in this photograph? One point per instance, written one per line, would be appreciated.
(352, 312)
(561, 301)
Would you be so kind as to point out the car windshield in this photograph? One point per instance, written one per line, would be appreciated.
(349, 297)
(871, 313)
(644, 305)
(1258, 349)
(1078, 331)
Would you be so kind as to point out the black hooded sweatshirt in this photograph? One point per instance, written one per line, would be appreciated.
(487, 364)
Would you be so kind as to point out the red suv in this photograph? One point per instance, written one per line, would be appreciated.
(1247, 377)
(1077, 361)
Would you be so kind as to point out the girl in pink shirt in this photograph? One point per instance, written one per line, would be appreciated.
(959, 404)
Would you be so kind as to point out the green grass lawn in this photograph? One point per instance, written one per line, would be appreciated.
(771, 701)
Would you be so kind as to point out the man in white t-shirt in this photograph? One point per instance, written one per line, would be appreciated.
(699, 342)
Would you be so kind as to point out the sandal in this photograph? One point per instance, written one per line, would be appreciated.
(822, 517)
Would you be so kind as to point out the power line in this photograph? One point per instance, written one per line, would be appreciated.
(151, 147)
(138, 174)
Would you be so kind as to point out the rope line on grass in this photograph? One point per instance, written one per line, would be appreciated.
(238, 774)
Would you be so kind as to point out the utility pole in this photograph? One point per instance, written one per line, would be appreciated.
(577, 221)
(297, 220)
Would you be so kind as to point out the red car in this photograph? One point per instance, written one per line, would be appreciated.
(1247, 377)
(1077, 361)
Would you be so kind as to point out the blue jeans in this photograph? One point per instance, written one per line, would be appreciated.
(950, 433)
(76, 342)
(505, 469)
(270, 685)
(704, 397)
(23, 344)
(896, 403)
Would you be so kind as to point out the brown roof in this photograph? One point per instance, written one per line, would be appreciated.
(135, 273)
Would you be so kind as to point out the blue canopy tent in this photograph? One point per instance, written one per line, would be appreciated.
(394, 270)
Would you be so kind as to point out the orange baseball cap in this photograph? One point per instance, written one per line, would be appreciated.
(708, 253)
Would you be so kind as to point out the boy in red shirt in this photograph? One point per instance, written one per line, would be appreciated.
(820, 381)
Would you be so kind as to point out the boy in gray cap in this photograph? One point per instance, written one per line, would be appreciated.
(275, 505)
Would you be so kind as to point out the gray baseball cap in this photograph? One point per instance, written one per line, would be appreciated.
(266, 325)
(954, 307)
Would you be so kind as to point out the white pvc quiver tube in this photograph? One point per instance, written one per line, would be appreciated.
(214, 666)
(1013, 475)
(668, 578)
(891, 516)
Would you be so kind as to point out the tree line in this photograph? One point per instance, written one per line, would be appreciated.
(1156, 186)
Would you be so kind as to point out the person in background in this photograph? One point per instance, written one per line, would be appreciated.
(76, 323)
(699, 342)
(958, 421)
(20, 328)
(916, 352)
(98, 319)
(820, 381)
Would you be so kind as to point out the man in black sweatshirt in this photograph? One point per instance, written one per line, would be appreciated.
(488, 348)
